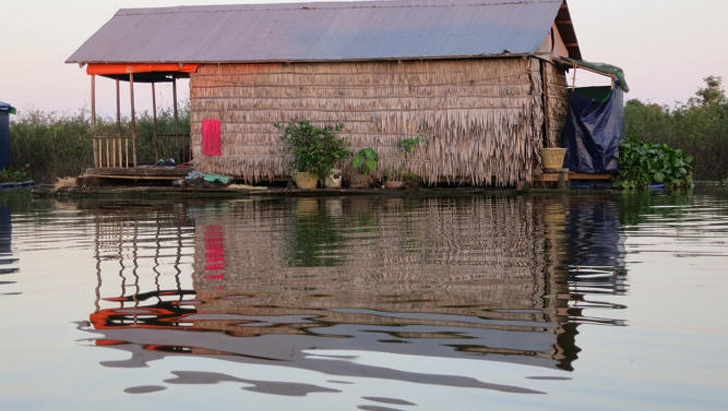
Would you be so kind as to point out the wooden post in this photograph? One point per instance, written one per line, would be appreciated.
(154, 114)
(133, 122)
(117, 141)
(174, 100)
(93, 120)
(118, 109)
(546, 104)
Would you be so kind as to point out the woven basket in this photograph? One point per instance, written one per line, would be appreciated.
(553, 158)
(304, 180)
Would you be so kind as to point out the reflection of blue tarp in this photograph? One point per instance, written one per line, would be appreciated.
(595, 252)
(594, 233)
(6, 231)
(594, 130)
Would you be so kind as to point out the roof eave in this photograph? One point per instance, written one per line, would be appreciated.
(566, 30)
(311, 61)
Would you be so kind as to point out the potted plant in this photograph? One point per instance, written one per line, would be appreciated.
(333, 180)
(315, 150)
(365, 162)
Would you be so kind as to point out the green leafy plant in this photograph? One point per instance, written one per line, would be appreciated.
(642, 163)
(365, 160)
(13, 176)
(315, 149)
(408, 145)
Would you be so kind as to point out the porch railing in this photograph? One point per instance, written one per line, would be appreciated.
(173, 145)
(114, 151)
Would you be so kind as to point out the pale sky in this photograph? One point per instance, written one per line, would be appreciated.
(666, 47)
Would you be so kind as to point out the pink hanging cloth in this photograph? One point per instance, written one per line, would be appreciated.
(211, 138)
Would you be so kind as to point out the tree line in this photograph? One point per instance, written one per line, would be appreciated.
(699, 127)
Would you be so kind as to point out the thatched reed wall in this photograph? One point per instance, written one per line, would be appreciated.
(483, 118)
(557, 103)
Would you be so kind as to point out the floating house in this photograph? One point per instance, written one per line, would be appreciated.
(483, 81)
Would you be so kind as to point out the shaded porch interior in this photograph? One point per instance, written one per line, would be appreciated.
(116, 147)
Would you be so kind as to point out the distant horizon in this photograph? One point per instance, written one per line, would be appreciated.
(666, 49)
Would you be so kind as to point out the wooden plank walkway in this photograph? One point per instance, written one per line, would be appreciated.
(138, 173)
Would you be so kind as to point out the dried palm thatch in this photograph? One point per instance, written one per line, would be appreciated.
(63, 184)
(557, 103)
(483, 118)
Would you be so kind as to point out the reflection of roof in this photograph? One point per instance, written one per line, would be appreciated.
(399, 29)
(288, 338)
(309, 359)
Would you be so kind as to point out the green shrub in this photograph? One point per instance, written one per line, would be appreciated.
(13, 176)
(51, 145)
(642, 163)
(315, 149)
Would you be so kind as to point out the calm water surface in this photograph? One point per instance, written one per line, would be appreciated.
(585, 301)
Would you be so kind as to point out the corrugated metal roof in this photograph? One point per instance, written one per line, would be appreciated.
(339, 31)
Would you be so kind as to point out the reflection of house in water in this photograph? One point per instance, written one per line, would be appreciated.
(469, 277)
(141, 256)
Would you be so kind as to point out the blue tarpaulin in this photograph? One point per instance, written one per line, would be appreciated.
(594, 130)
(5, 111)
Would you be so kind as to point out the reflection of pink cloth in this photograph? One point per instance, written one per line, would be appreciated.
(211, 138)
(214, 253)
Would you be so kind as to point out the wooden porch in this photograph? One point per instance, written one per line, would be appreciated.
(140, 173)
(562, 177)
(116, 147)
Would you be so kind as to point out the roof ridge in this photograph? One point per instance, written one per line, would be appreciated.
(323, 5)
